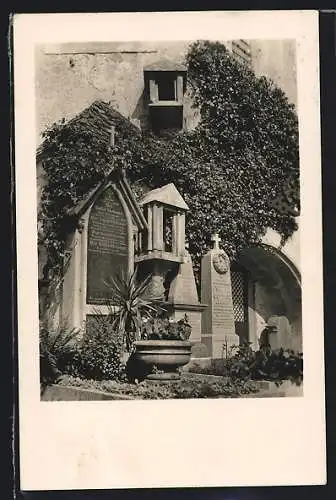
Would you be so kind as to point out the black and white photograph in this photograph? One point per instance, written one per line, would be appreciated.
(171, 236)
(168, 215)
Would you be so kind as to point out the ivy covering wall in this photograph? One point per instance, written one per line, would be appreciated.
(243, 155)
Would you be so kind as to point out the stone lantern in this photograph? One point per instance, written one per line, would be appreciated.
(165, 209)
(163, 246)
(164, 255)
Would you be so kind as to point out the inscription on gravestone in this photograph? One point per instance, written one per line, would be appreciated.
(108, 245)
(221, 305)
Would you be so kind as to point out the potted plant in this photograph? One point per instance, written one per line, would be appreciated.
(164, 346)
(158, 345)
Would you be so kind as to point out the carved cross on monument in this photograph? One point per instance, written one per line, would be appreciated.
(215, 239)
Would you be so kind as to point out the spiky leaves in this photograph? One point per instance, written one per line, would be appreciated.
(130, 301)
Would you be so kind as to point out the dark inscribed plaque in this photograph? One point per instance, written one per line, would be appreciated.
(107, 245)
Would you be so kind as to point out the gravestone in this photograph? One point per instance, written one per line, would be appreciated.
(218, 327)
(108, 245)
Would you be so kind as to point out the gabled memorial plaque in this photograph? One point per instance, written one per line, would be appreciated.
(108, 245)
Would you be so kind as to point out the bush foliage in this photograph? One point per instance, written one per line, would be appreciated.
(99, 353)
(96, 355)
(244, 363)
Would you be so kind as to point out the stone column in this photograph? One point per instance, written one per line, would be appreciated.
(150, 228)
(179, 88)
(157, 227)
(175, 235)
(153, 91)
(179, 233)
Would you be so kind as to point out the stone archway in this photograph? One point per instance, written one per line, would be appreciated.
(274, 296)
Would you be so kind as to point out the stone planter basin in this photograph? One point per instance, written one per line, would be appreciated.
(165, 355)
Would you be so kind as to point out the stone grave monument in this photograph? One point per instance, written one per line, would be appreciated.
(113, 233)
(107, 223)
(218, 327)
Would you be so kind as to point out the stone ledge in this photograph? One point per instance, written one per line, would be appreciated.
(68, 393)
(189, 307)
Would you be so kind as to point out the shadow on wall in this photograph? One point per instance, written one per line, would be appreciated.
(140, 114)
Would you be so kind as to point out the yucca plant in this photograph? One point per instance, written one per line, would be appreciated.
(130, 302)
(57, 343)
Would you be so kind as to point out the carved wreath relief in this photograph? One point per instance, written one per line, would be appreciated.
(221, 263)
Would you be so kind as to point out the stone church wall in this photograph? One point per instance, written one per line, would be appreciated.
(69, 77)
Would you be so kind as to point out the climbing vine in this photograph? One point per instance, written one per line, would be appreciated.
(242, 156)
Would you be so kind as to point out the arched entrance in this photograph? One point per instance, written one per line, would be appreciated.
(266, 288)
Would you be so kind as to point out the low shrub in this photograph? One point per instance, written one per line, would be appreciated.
(278, 366)
(96, 355)
(244, 363)
(99, 353)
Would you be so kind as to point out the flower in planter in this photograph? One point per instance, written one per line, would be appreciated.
(164, 328)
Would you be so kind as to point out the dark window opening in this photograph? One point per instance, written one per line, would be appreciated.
(168, 230)
(167, 89)
(166, 118)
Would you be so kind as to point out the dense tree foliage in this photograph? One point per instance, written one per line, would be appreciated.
(241, 156)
